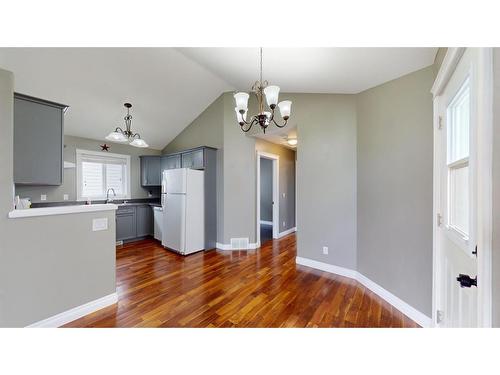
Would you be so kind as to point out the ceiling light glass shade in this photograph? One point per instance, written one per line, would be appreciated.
(285, 107)
(241, 99)
(272, 93)
(138, 142)
(116, 137)
(292, 141)
(239, 116)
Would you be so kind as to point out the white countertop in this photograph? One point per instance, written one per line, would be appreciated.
(61, 210)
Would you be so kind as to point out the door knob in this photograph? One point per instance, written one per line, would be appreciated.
(466, 281)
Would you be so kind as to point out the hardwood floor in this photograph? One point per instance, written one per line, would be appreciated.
(251, 288)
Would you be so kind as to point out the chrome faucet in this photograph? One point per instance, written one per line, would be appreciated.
(107, 195)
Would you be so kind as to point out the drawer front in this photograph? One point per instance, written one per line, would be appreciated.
(125, 211)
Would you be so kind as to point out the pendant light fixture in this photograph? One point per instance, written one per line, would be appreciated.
(127, 136)
(263, 118)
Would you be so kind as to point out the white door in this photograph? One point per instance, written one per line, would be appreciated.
(176, 180)
(456, 201)
(174, 222)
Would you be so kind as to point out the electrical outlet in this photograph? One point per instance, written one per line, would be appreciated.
(65, 197)
(284, 224)
(325, 250)
(43, 197)
(284, 195)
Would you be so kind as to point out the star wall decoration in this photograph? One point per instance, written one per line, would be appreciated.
(105, 147)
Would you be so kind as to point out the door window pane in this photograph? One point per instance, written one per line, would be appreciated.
(458, 130)
(458, 138)
(459, 199)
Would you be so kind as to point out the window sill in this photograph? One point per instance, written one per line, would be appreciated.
(60, 210)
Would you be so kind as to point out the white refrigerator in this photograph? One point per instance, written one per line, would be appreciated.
(183, 205)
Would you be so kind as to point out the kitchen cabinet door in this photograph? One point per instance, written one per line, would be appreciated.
(198, 157)
(170, 162)
(187, 160)
(126, 226)
(38, 141)
(150, 171)
(144, 221)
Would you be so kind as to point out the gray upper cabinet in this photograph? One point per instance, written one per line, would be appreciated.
(150, 170)
(170, 162)
(187, 160)
(198, 159)
(38, 141)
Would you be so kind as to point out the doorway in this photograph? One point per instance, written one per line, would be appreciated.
(462, 189)
(267, 226)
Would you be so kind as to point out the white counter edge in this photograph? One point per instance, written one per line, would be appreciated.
(61, 210)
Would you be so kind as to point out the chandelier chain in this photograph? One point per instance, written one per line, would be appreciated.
(261, 65)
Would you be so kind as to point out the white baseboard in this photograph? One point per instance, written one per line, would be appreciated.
(223, 246)
(417, 316)
(264, 222)
(76, 312)
(287, 232)
(326, 267)
(411, 312)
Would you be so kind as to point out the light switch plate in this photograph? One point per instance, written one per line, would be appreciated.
(43, 197)
(100, 224)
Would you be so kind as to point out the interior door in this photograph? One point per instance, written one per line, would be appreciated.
(456, 262)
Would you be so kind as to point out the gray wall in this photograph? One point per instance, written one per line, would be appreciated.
(286, 181)
(326, 177)
(55, 193)
(395, 148)
(266, 189)
(207, 130)
(240, 183)
(496, 188)
(47, 264)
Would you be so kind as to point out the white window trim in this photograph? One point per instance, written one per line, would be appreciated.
(80, 153)
(462, 240)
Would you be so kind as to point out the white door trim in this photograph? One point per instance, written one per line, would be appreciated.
(276, 196)
(450, 61)
(484, 148)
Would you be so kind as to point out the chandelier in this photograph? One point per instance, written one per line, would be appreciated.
(263, 118)
(123, 136)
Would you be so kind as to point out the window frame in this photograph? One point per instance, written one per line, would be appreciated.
(461, 239)
(80, 156)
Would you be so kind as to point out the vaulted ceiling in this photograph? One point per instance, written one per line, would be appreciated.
(170, 87)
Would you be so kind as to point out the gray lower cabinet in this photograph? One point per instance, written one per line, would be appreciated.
(144, 221)
(134, 222)
(38, 141)
(126, 224)
(150, 170)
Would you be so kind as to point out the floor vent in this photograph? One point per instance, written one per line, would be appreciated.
(239, 243)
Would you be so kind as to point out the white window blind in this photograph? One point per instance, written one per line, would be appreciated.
(98, 172)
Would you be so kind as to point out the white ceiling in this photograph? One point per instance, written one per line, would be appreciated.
(170, 87)
(313, 70)
(167, 89)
